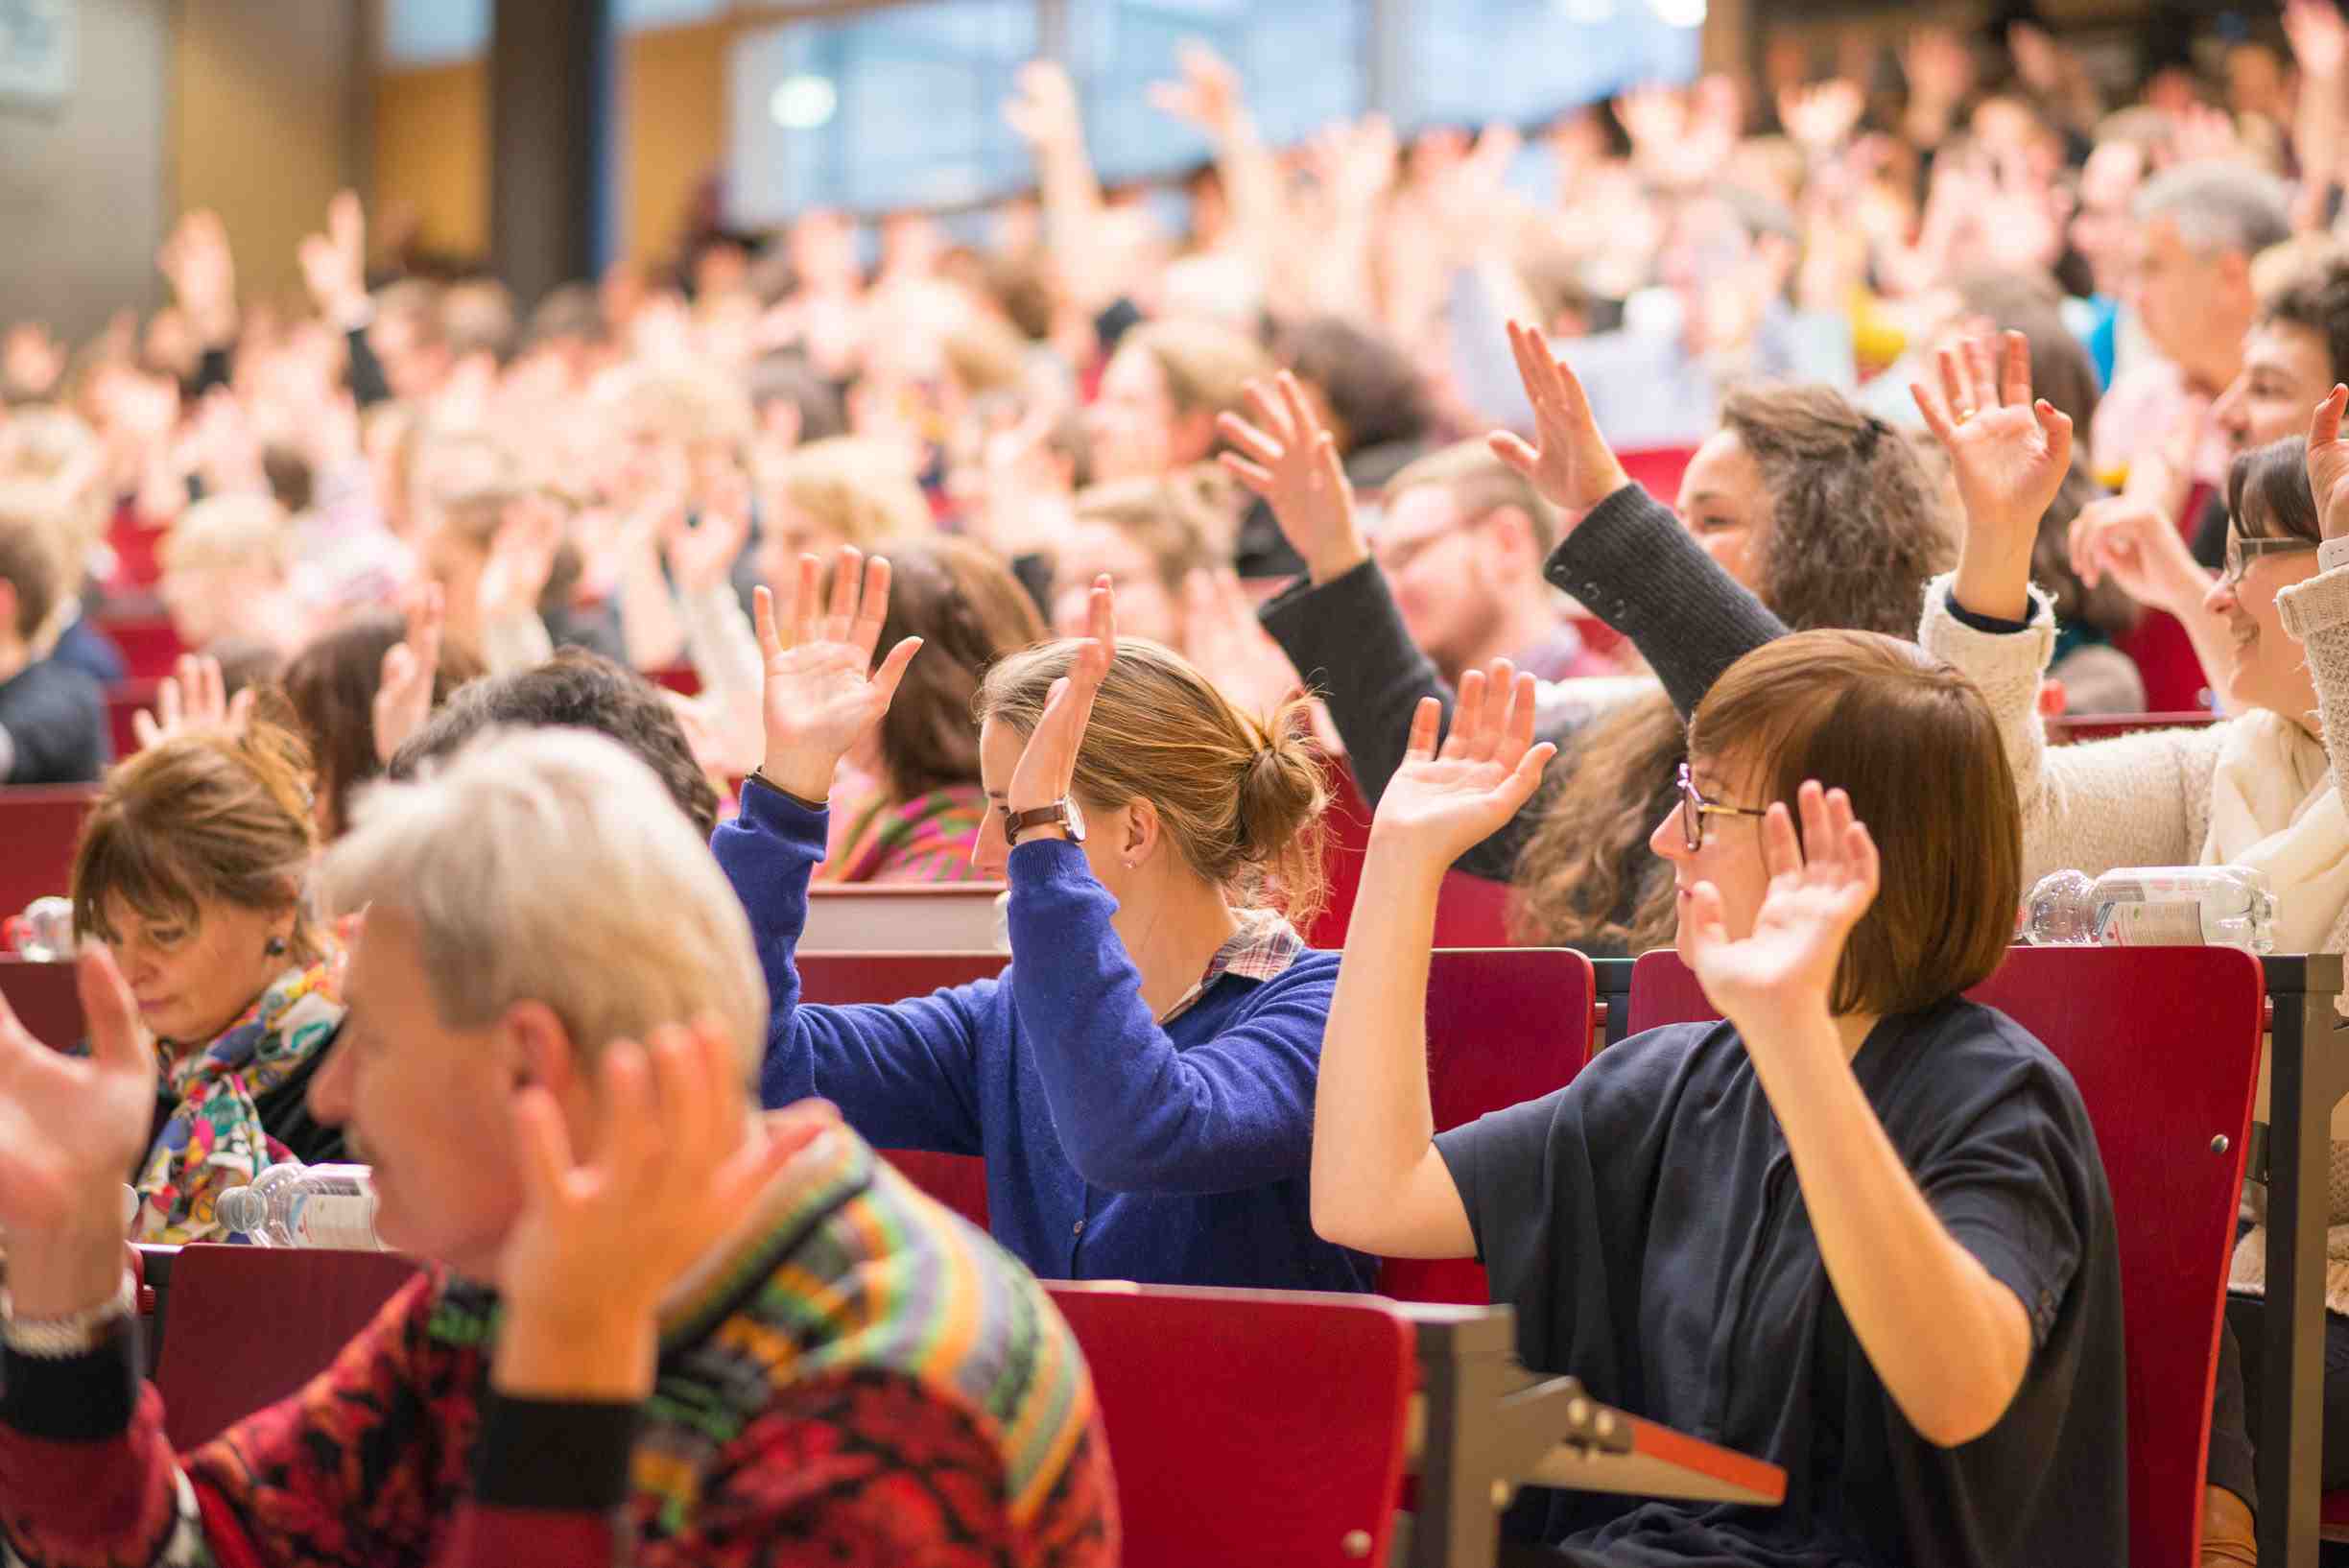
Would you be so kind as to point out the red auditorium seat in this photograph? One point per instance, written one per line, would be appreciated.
(149, 645)
(1248, 1426)
(2165, 656)
(1503, 1026)
(124, 701)
(38, 825)
(2164, 1044)
(45, 999)
(1471, 912)
(245, 1326)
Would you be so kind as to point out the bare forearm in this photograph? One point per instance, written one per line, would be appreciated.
(1373, 1125)
(649, 622)
(585, 1351)
(1950, 1342)
(62, 1270)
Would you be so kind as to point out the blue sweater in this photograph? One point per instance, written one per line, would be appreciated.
(1115, 1150)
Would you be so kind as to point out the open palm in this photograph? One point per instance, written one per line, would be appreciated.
(70, 1127)
(2328, 463)
(1787, 961)
(1289, 460)
(1446, 802)
(821, 691)
(1574, 468)
(2008, 452)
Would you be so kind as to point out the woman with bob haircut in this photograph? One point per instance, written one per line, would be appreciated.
(192, 870)
(1859, 1230)
(1140, 1079)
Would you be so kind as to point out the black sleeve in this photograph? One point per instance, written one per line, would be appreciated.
(1118, 317)
(1035, 571)
(1632, 564)
(1501, 1165)
(1347, 638)
(2210, 534)
(1994, 626)
(368, 383)
(211, 370)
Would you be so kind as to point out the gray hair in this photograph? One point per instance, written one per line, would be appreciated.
(551, 865)
(2218, 206)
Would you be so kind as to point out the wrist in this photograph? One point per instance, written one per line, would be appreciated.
(806, 778)
(1328, 566)
(1993, 584)
(67, 1268)
(595, 1350)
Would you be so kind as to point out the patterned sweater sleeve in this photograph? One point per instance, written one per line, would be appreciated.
(2136, 801)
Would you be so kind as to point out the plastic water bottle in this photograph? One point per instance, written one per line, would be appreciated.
(2153, 906)
(43, 934)
(304, 1205)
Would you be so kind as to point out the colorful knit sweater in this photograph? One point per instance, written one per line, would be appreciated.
(865, 1380)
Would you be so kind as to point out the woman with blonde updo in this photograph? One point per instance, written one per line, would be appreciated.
(192, 870)
(1140, 1079)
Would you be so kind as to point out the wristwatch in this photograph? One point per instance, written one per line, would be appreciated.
(1062, 814)
(2332, 553)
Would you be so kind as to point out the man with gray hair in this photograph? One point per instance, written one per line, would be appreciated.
(2199, 225)
(556, 1014)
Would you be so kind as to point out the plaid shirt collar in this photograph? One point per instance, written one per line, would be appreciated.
(1265, 945)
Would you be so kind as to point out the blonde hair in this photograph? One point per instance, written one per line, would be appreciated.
(242, 529)
(551, 865)
(1240, 797)
(1184, 520)
(852, 486)
(1478, 482)
(1206, 364)
(687, 406)
(56, 452)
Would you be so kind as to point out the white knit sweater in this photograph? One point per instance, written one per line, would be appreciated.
(2145, 799)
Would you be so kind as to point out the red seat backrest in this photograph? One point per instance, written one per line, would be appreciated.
(2165, 656)
(1471, 911)
(2164, 1044)
(45, 999)
(245, 1326)
(123, 701)
(1503, 1026)
(150, 647)
(1248, 1426)
(1658, 468)
(38, 827)
(957, 1181)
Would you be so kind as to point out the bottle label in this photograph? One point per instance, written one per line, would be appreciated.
(336, 1220)
(2160, 923)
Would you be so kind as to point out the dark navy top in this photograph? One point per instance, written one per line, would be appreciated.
(1647, 1224)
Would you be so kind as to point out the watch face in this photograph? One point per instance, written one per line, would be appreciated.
(1076, 820)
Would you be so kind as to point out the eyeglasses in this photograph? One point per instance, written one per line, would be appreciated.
(2241, 553)
(1694, 808)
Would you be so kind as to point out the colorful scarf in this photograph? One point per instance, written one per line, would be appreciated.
(213, 1139)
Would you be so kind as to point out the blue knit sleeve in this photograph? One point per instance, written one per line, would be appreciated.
(904, 1075)
(1135, 1112)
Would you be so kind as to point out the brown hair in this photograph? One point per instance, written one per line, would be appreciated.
(970, 611)
(2314, 297)
(28, 555)
(331, 686)
(1182, 518)
(208, 817)
(1242, 797)
(857, 487)
(1857, 528)
(2268, 495)
(1478, 482)
(1913, 742)
(1206, 364)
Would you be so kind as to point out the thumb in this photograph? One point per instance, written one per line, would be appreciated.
(113, 1017)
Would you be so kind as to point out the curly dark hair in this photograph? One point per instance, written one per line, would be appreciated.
(579, 690)
(1857, 528)
(1371, 386)
(2317, 298)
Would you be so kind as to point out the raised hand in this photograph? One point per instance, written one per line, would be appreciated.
(2139, 547)
(605, 1233)
(822, 692)
(30, 360)
(2009, 455)
(334, 264)
(1206, 94)
(521, 558)
(193, 698)
(702, 552)
(1044, 112)
(1786, 966)
(1046, 767)
(1574, 467)
(1292, 462)
(197, 260)
(404, 689)
(1443, 802)
(2328, 463)
(70, 1127)
(2320, 38)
